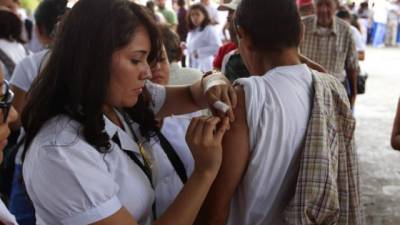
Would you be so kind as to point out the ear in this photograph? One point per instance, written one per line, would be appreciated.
(244, 39)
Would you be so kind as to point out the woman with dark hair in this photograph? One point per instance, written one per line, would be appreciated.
(289, 157)
(11, 49)
(203, 40)
(47, 16)
(89, 119)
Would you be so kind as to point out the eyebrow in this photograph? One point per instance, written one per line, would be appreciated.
(143, 52)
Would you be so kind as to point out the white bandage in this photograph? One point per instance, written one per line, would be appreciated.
(214, 80)
(221, 106)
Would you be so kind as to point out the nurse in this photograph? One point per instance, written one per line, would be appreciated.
(90, 114)
(203, 40)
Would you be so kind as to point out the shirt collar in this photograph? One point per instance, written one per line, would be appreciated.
(333, 29)
(126, 139)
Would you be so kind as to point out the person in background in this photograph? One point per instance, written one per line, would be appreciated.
(12, 50)
(329, 42)
(169, 15)
(177, 75)
(182, 29)
(395, 139)
(91, 113)
(365, 17)
(27, 33)
(7, 115)
(47, 15)
(289, 157)
(203, 41)
(392, 24)
(173, 161)
(380, 18)
(345, 15)
(212, 11)
(156, 14)
(231, 44)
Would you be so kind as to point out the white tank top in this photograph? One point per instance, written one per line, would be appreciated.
(278, 107)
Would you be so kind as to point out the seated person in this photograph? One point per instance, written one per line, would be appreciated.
(293, 133)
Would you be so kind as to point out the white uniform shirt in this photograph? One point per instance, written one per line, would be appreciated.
(5, 216)
(27, 70)
(167, 183)
(206, 43)
(70, 182)
(15, 51)
(278, 107)
(358, 39)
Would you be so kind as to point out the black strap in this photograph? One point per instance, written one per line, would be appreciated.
(146, 170)
(7, 61)
(133, 156)
(173, 157)
(166, 146)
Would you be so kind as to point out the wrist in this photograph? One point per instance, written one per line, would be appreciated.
(211, 79)
(209, 174)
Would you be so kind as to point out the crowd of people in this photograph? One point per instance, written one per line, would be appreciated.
(115, 112)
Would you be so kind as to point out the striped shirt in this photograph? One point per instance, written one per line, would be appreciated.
(327, 189)
(333, 48)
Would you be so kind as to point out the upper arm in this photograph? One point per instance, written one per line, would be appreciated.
(396, 129)
(236, 151)
(92, 191)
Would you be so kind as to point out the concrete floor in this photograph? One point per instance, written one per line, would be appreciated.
(379, 163)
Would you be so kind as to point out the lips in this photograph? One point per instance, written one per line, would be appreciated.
(138, 91)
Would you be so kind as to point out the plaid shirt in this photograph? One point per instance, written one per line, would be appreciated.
(327, 189)
(333, 49)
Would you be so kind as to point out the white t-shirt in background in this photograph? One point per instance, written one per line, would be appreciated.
(27, 70)
(15, 51)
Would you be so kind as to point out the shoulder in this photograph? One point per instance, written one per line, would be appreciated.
(59, 131)
(343, 27)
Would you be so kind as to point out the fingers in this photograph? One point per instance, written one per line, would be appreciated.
(233, 96)
(191, 128)
(219, 134)
(226, 98)
(210, 127)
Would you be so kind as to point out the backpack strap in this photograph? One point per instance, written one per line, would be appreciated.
(173, 157)
(7, 61)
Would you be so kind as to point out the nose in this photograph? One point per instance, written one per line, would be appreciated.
(145, 72)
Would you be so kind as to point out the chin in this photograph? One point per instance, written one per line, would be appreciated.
(130, 103)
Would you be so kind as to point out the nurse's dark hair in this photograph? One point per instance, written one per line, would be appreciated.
(272, 25)
(75, 80)
(206, 21)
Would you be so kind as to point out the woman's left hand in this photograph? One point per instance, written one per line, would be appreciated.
(221, 92)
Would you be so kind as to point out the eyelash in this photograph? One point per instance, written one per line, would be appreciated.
(134, 61)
